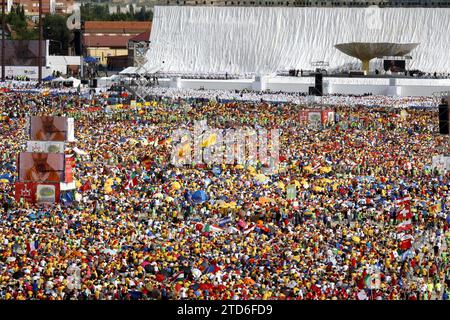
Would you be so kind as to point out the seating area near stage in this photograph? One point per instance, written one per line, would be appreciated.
(331, 85)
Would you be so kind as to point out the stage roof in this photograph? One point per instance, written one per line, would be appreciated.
(370, 50)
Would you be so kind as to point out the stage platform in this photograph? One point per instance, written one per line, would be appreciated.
(393, 86)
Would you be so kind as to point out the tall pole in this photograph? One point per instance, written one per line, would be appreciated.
(82, 49)
(3, 40)
(40, 44)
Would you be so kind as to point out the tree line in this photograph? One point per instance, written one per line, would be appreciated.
(100, 12)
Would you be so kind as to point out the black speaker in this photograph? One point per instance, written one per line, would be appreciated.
(93, 83)
(318, 83)
(443, 119)
(313, 91)
(318, 79)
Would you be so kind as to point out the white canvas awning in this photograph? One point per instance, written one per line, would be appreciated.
(59, 79)
(76, 82)
(129, 70)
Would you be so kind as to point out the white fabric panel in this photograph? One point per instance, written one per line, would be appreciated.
(264, 40)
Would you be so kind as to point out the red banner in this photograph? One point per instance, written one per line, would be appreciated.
(94, 109)
(307, 115)
(68, 170)
(35, 192)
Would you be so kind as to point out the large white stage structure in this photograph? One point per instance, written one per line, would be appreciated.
(241, 40)
(258, 41)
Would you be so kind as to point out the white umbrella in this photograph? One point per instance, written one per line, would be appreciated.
(79, 151)
(110, 251)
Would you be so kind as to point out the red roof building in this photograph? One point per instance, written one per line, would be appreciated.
(103, 39)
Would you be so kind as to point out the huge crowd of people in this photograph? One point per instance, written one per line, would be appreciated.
(337, 236)
(293, 98)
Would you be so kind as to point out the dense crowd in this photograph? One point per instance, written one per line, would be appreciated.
(294, 98)
(338, 237)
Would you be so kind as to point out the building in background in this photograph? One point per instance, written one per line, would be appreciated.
(8, 5)
(139, 42)
(64, 6)
(103, 39)
(31, 7)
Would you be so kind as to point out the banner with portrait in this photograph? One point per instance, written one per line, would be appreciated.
(48, 128)
(41, 167)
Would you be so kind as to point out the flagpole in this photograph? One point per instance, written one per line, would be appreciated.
(3, 39)
(40, 43)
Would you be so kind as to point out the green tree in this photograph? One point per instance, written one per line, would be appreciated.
(55, 28)
(19, 24)
(131, 10)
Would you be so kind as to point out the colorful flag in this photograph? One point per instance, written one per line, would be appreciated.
(179, 276)
(406, 242)
(394, 255)
(224, 221)
(86, 186)
(404, 205)
(146, 162)
(249, 229)
(404, 226)
(132, 181)
(372, 281)
(291, 191)
(215, 229)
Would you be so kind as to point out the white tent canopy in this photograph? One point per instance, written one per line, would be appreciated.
(59, 79)
(76, 82)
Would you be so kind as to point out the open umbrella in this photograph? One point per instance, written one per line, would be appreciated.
(199, 196)
(90, 59)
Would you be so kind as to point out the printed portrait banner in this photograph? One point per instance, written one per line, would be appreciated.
(34, 192)
(48, 128)
(41, 167)
(46, 146)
